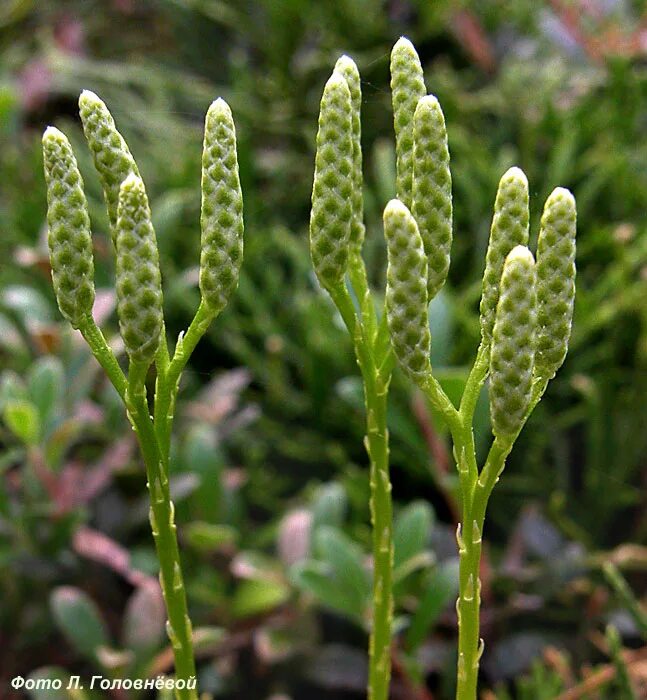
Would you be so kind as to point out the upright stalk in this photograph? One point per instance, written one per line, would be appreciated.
(162, 519)
(336, 236)
(377, 446)
(468, 538)
(376, 387)
(467, 606)
(470, 646)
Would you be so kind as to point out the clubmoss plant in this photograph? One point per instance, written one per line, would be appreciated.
(526, 313)
(336, 237)
(139, 307)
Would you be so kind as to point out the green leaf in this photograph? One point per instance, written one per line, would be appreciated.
(422, 560)
(28, 303)
(257, 566)
(201, 455)
(205, 638)
(313, 577)
(23, 420)
(115, 661)
(46, 383)
(209, 537)
(329, 507)
(442, 588)
(144, 619)
(79, 620)
(254, 597)
(411, 532)
(345, 560)
(12, 388)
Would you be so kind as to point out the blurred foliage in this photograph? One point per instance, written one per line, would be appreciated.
(270, 477)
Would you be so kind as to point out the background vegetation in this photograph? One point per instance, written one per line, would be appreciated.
(270, 475)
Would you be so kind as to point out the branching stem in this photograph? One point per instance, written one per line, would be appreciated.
(376, 361)
(154, 437)
(162, 518)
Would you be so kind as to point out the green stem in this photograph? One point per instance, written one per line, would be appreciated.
(359, 280)
(168, 377)
(377, 446)
(376, 386)
(105, 357)
(164, 530)
(476, 490)
(467, 607)
(469, 533)
(474, 383)
(469, 545)
(133, 393)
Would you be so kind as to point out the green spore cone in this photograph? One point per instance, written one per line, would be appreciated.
(69, 237)
(509, 229)
(432, 190)
(407, 87)
(555, 282)
(347, 68)
(138, 279)
(332, 191)
(112, 158)
(221, 217)
(406, 290)
(513, 344)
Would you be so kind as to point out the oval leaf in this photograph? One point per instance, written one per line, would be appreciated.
(79, 620)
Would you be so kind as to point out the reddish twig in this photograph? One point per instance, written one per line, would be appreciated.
(471, 35)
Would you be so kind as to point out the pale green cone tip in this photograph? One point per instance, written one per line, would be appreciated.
(333, 186)
(432, 190)
(111, 155)
(221, 216)
(138, 278)
(406, 290)
(69, 238)
(513, 344)
(509, 229)
(407, 87)
(347, 68)
(555, 281)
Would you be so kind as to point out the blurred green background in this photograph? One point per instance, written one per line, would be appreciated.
(270, 476)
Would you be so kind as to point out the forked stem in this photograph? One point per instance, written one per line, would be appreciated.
(367, 336)
(168, 377)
